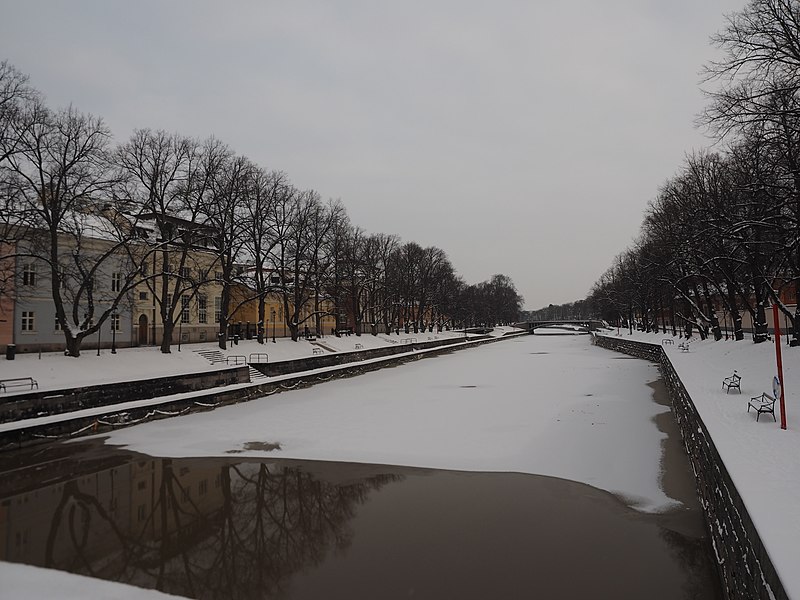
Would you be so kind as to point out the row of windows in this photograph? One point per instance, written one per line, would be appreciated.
(28, 322)
(30, 276)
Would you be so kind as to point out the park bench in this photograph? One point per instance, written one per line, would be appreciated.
(359, 347)
(732, 383)
(18, 382)
(667, 342)
(684, 346)
(317, 351)
(765, 403)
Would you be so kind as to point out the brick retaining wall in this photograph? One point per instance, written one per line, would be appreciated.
(746, 571)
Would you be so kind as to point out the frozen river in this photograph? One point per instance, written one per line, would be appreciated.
(532, 466)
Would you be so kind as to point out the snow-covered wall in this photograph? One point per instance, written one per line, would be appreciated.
(744, 565)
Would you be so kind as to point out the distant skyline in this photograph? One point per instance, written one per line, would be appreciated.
(522, 138)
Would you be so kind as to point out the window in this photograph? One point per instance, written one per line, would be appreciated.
(58, 325)
(142, 295)
(116, 282)
(186, 272)
(217, 308)
(184, 309)
(203, 487)
(29, 274)
(202, 309)
(28, 320)
(218, 276)
(144, 269)
(115, 322)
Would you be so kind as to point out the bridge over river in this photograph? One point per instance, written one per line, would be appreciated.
(590, 324)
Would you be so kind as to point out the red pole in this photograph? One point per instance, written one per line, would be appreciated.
(780, 362)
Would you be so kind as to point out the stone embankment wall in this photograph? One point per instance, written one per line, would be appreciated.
(285, 367)
(47, 402)
(744, 566)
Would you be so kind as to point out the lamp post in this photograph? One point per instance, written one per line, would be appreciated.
(114, 321)
(98, 340)
(273, 325)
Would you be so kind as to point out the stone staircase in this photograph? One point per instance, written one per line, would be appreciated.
(255, 374)
(212, 356)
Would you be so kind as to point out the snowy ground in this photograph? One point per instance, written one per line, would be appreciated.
(23, 581)
(763, 460)
(56, 371)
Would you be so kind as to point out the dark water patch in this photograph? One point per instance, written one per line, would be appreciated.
(233, 528)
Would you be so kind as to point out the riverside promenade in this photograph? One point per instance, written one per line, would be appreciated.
(762, 460)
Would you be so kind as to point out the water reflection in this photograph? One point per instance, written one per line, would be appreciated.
(203, 529)
(221, 528)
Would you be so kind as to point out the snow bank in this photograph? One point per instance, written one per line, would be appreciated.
(24, 581)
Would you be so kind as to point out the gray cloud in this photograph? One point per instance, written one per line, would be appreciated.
(521, 137)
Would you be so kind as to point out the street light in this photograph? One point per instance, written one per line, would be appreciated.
(114, 321)
(273, 325)
(98, 340)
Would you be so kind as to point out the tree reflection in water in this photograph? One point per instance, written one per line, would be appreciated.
(199, 529)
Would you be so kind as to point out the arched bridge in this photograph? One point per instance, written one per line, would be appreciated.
(590, 324)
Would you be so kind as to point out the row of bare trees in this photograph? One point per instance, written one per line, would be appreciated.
(723, 234)
(171, 213)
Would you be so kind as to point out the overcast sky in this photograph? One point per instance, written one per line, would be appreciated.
(523, 138)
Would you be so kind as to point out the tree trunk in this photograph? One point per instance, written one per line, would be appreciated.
(73, 345)
(166, 341)
(760, 329)
(712, 313)
(262, 316)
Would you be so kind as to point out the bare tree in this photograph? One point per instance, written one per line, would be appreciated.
(168, 182)
(60, 177)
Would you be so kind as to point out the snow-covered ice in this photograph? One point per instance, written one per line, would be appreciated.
(551, 405)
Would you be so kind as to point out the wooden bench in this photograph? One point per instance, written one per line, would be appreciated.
(763, 404)
(317, 351)
(358, 347)
(732, 383)
(18, 382)
(684, 346)
(667, 342)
